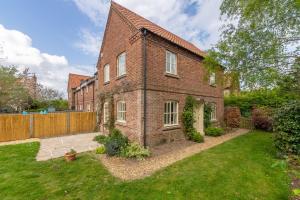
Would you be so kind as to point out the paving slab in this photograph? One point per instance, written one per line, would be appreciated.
(57, 147)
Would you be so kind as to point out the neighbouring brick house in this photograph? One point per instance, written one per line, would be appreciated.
(153, 71)
(82, 92)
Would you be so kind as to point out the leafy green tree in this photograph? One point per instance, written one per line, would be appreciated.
(13, 96)
(260, 41)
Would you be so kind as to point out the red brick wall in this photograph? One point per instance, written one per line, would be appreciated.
(85, 98)
(120, 38)
(191, 79)
(116, 41)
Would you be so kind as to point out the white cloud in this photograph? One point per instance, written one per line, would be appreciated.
(89, 42)
(96, 10)
(200, 28)
(51, 70)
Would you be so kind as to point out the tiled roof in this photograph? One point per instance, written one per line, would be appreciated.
(75, 79)
(139, 22)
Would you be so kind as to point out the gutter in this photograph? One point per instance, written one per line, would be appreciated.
(144, 31)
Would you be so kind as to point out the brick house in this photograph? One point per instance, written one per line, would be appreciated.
(156, 70)
(82, 92)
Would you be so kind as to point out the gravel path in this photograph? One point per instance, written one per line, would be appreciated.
(162, 156)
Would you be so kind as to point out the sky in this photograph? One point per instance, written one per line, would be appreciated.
(57, 37)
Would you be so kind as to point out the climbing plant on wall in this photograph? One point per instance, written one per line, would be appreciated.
(188, 118)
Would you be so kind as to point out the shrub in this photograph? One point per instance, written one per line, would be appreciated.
(263, 97)
(134, 150)
(214, 131)
(287, 128)
(115, 142)
(188, 120)
(262, 119)
(100, 150)
(196, 136)
(101, 139)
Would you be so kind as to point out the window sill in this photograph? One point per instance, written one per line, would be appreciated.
(106, 83)
(171, 75)
(121, 123)
(169, 128)
(120, 77)
(213, 85)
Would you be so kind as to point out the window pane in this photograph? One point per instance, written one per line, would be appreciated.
(122, 64)
(171, 61)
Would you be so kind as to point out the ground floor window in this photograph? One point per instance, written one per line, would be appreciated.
(121, 111)
(213, 114)
(171, 113)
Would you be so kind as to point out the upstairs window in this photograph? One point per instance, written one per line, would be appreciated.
(212, 79)
(121, 64)
(171, 63)
(106, 73)
(121, 111)
(171, 113)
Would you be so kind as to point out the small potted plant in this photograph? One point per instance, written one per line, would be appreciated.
(71, 155)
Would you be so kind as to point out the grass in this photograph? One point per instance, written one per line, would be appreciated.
(238, 169)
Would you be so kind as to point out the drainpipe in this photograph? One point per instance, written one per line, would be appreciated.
(145, 83)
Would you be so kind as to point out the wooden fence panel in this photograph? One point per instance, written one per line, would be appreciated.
(246, 123)
(49, 125)
(14, 127)
(82, 122)
(19, 127)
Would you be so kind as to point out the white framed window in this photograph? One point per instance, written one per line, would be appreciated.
(171, 113)
(212, 78)
(121, 64)
(213, 114)
(106, 73)
(80, 107)
(89, 107)
(105, 113)
(171, 63)
(121, 111)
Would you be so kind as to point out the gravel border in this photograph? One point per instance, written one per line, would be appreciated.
(162, 156)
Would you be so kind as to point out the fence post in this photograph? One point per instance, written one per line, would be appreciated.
(31, 126)
(68, 123)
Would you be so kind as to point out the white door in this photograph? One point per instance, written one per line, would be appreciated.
(199, 118)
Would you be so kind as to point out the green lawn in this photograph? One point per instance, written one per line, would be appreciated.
(238, 169)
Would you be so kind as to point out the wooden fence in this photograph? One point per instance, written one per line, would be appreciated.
(246, 123)
(19, 127)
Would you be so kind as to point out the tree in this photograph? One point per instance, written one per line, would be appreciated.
(13, 96)
(260, 41)
(47, 94)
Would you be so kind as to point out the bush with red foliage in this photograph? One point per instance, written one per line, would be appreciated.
(262, 118)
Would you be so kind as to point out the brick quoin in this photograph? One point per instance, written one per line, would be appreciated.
(120, 36)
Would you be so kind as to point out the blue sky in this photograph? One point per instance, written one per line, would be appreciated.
(54, 26)
(57, 37)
